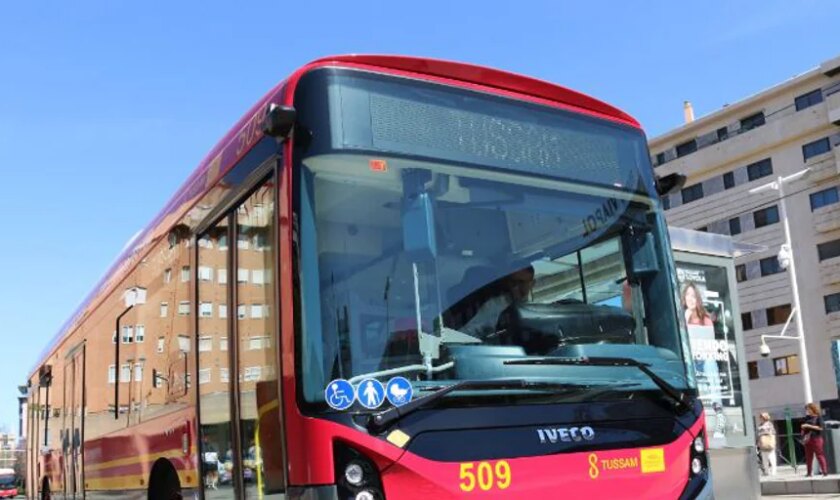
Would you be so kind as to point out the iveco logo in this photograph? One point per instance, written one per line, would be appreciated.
(566, 434)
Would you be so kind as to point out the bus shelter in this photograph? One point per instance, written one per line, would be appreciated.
(705, 265)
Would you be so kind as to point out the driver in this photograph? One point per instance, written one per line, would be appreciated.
(515, 288)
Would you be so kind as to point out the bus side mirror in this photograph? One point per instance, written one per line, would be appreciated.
(279, 121)
(669, 184)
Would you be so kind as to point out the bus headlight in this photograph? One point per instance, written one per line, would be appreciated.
(699, 444)
(365, 495)
(354, 473)
(696, 466)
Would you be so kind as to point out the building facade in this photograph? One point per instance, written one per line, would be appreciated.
(780, 131)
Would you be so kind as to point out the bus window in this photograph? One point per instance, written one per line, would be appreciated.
(259, 404)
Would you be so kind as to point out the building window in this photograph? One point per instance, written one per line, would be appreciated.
(167, 275)
(735, 226)
(205, 273)
(824, 198)
(258, 276)
(752, 121)
(770, 265)
(686, 148)
(692, 193)
(164, 309)
(242, 275)
(223, 344)
(257, 311)
(832, 303)
(222, 273)
(223, 310)
(127, 334)
(815, 148)
(125, 373)
(204, 376)
(660, 158)
(222, 241)
(252, 373)
(741, 273)
(161, 344)
(240, 311)
(184, 308)
(138, 372)
(112, 374)
(139, 334)
(185, 274)
(786, 365)
(807, 100)
(760, 169)
(666, 202)
(205, 309)
(777, 315)
(752, 368)
(828, 250)
(205, 344)
(183, 343)
(224, 375)
(257, 343)
(243, 242)
(722, 134)
(204, 242)
(729, 180)
(766, 216)
(746, 321)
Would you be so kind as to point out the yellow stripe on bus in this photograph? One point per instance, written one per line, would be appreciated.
(133, 482)
(262, 410)
(173, 453)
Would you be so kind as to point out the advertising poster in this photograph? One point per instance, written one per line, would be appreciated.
(706, 305)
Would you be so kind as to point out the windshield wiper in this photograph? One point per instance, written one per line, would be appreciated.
(679, 397)
(378, 421)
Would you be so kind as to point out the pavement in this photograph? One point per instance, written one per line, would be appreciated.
(788, 483)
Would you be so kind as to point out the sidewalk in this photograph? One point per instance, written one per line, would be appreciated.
(788, 482)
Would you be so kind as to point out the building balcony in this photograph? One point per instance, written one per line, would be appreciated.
(823, 166)
(830, 275)
(832, 103)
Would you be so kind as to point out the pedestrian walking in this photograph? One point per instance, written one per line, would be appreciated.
(812, 438)
(767, 444)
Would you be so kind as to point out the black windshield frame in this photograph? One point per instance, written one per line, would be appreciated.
(322, 135)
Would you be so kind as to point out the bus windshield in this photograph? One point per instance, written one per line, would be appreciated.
(440, 270)
(7, 481)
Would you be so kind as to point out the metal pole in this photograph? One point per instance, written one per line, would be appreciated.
(803, 351)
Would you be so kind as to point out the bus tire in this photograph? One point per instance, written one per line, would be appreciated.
(45, 489)
(164, 483)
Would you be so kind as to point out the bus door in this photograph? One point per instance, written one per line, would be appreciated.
(240, 413)
(73, 432)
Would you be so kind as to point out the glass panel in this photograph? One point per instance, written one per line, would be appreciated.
(216, 430)
(706, 302)
(260, 424)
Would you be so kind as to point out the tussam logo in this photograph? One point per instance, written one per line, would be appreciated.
(566, 434)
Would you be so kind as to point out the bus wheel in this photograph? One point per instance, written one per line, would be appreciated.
(163, 482)
(45, 490)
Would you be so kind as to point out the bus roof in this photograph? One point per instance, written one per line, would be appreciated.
(228, 151)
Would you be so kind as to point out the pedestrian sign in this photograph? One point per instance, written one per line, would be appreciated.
(371, 394)
(339, 394)
(398, 391)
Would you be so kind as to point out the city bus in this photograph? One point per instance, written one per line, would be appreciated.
(394, 278)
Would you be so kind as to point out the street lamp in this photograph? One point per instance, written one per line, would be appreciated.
(786, 260)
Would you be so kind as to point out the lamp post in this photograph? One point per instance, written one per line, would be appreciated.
(786, 253)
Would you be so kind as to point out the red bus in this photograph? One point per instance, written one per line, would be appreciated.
(394, 278)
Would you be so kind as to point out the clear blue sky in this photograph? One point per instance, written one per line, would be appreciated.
(106, 107)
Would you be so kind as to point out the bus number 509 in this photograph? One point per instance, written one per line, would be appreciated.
(485, 476)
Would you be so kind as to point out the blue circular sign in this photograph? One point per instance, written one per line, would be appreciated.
(370, 393)
(398, 391)
(339, 394)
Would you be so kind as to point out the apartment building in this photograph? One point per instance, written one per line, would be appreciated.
(780, 131)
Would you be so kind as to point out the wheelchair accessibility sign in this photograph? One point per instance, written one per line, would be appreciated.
(339, 394)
